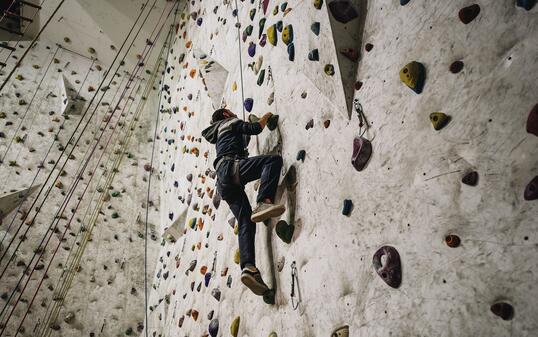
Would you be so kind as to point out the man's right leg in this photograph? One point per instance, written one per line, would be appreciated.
(250, 276)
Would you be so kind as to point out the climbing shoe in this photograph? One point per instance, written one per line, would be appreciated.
(251, 278)
(265, 211)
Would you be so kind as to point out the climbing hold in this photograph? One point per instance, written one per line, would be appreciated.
(532, 121)
(203, 269)
(269, 296)
(470, 178)
(404, 2)
(368, 47)
(249, 30)
(194, 314)
(413, 75)
(287, 34)
(234, 328)
(310, 124)
(291, 52)
(531, 191)
(275, 10)
(199, 21)
(315, 27)
(273, 334)
(271, 35)
(301, 155)
(91, 50)
(362, 151)
(456, 67)
(341, 332)
(284, 231)
(329, 69)
(358, 85)
(252, 13)
(350, 53)
(503, 310)
(229, 281)
(271, 98)
(272, 122)
(237, 256)
(261, 25)
(313, 55)
(318, 4)
(234, 87)
(207, 278)
(439, 120)
(263, 40)
(468, 14)
(251, 49)
(348, 205)
(391, 270)
(279, 26)
(249, 103)
(213, 328)
(189, 177)
(261, 77)
(327, 123)
(452, 240)
(526, 4)
(343, 10)
(216, 294)
(283, 6)
(265, 4)
(280, 264)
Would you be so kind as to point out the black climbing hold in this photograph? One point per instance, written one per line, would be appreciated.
(404, 2)
(503, 310)
(216, 294)
(313, 55)
(368, 47)
(269, 296)
(343, 10)
(348, 205)
(531, 191)
(362, 151)
(391, 270)
(358, 85)
(456, 67)
(284, 231)
(291, 52)
(468, 14)
(261, 77)
(272, 122)
(280, 26)
(315, 27)
(470, 178)
(213, 328)
(527, 4)
(452, 240)
(301, 155)
(532, 121)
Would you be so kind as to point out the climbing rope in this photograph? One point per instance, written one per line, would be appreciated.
(24, 218)
(157, 115)
(238, 25)
(29, 105)
(76, 182)
(19, 61)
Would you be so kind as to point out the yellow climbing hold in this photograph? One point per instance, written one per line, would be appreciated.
(287, 34)
(318, 4)
(234, 87)
(273, 334)
(413, 75)
(271, 35)
(237, 257)
(236, 227)
(234, 328)
(439, 120)
(192, 223)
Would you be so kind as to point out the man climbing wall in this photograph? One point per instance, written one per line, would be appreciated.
(234, 170)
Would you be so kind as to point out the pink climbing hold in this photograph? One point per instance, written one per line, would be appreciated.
(362, 151)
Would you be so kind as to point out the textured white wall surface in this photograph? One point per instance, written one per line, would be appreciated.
(409, 196)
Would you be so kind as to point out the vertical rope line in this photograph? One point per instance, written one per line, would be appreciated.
(238, 25)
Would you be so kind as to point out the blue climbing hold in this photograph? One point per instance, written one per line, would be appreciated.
(207, 278)
(279, 26)
(213, 327)
(252, 49)
(527, 4)
(199, 21)
(313, 55)
(291, 52)
(283, 6)
(315, 27)
(249, 103)
(346, 210)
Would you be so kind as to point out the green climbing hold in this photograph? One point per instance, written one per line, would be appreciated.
(115, 194)
(271, 35)
(318, 4)
(283, 6)
(234, 328)
(413, 75)
(275, 10)
(284, 231)
(439, 120)
(249, 30)
(287, 34)
(261, 77)
(252, 13)
(329, 69)
(237, 257)
(273, 334)
(261, 25)
(315, 27)
(115, 215)
(341, 332)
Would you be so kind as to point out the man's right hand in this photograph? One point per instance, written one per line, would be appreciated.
(264, 119)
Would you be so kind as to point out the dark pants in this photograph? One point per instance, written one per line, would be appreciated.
(266, 168)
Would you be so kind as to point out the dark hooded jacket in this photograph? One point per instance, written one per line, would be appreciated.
(231, 136)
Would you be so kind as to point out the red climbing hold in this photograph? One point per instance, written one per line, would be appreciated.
(532, 121)
(362, 151)
(468, 14)
(452, 240)
(391, 270)
(456, 67)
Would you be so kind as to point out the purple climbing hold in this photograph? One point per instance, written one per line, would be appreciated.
(362, 151)
(249, 103)
(531, 192)
(391, 270)
(468, 14)
(532, 121)
(213, 328)
(252, 49)
(263, 40)
(348, 205)
(343, 10)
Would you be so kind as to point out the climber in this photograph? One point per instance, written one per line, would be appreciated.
(234, 170)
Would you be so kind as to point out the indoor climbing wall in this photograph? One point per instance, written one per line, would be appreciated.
(410, 164)
(79, 259)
